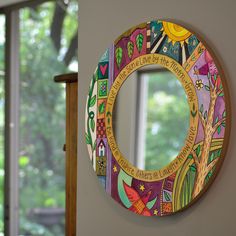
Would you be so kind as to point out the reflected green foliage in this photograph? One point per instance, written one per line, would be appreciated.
(167, 119)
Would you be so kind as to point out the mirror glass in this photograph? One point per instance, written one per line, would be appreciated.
(151, 117)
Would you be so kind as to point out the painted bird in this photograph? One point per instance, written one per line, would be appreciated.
(138, 203)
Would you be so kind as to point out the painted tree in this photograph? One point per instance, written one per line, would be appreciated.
(210, 123)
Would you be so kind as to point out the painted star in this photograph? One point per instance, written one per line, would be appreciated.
(115, 169)
(141, 187)
(155, 212)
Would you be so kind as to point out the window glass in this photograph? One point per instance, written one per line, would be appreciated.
(166, 120)
(48, 46)
(2, 74)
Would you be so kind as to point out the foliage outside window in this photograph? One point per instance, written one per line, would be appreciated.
(48, 46)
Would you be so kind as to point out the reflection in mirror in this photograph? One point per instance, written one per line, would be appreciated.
(151, 117)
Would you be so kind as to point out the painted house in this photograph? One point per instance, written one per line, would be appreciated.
(101, 148)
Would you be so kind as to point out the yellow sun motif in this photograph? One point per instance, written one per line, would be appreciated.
(175, 33)
(115, 169)
(141, 187)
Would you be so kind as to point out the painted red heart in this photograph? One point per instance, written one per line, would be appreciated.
(103, 69)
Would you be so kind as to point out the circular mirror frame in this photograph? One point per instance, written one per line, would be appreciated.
(180, 183)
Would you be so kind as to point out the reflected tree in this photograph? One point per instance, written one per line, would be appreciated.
(167, 119)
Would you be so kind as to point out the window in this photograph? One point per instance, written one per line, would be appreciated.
(2, 74)
(41, 42)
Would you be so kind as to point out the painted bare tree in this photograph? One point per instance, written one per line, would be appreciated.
(210, 126)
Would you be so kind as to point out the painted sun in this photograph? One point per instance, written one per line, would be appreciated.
(175, 33)
(173, 40)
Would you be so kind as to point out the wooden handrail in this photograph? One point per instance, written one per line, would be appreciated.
(66, 78)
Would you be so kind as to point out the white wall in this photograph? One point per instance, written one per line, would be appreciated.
(100, 22)
(8, 2)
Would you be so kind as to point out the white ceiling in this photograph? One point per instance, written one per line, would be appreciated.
(8, 2)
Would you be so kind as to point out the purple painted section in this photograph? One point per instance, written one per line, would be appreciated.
(109, 154)
(200, 132)
(123, 44)
(205, 66)
(111, 66)
(203, 94)
(219, 110)
(114, 181)
(109, 169)
(154, 187)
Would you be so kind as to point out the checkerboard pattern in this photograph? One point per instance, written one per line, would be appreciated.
(102, 88)
(101, 129)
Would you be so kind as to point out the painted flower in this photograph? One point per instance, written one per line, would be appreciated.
(165, 49)
(199, 84)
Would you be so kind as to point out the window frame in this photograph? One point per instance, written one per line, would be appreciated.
(11, 109)
(11, 123)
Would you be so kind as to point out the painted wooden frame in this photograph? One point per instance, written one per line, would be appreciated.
(180, 183)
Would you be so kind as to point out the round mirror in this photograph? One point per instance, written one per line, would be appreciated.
(157, 119)
(151, 117)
